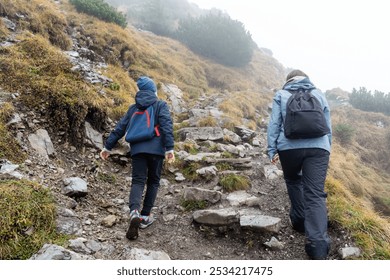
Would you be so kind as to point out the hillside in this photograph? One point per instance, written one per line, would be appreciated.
(67, 77)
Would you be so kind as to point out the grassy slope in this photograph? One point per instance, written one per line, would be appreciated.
(359, 181)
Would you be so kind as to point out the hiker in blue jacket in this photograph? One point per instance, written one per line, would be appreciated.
(147, 156)
(304, 163)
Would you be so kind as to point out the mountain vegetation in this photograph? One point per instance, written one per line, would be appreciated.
(218, 37)
(36, 67)
(101, 10)
(212, 34)
(158, 16)
(364, 99)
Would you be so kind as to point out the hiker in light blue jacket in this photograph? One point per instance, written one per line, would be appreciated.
(147, 156)
(304, 163)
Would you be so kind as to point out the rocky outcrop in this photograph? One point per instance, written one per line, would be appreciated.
(40, 141)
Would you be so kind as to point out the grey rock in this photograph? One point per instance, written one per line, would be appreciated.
(142, 254)
(241, 198)
(78, 245)
(207, 171)
(8, 170)
(68, 222)
(219, 217)
(9, 24)
(200, 156)
(93, 245)
(198, 194)
(95, 137)
(179, 177)
(349, 252)
(16, 119)
(245, 133)
(231, 137)
(201, 133)
(274, 244)
(272, 172)
(176, 97)
(110, 221)
(75, 187)
(55, 252)
(41, 143)
(261, 223)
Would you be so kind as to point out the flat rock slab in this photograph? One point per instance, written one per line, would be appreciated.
(260, 223)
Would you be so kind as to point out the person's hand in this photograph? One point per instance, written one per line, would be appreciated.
(104, 154)
(275, 159)
(170, 157)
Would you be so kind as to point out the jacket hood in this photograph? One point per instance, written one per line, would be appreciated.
(145, 98)
(299, 82)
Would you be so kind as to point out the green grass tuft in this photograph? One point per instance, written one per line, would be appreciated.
(107, 178)
(191, 205)
(234, 182)
(27, 221)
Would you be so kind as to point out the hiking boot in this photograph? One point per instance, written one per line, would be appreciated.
(299, 227)
(135, 220)
(317, 250)
(146, 221)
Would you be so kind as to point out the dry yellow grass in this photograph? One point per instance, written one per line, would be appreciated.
(207, 121)
(362, 171)
(370, 141)
(240, 106)
(9, 148)
(43, 76)
(3, 30)
(370, 231)
(122, 93)
(40, 16)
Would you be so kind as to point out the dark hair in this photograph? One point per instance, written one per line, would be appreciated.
(295, 73)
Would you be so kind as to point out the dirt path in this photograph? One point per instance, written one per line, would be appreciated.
(174, 231)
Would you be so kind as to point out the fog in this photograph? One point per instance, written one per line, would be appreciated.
(337, 43)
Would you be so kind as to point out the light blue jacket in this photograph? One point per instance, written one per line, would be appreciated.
(275, 133)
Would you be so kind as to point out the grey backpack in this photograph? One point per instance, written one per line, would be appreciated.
(304, 116)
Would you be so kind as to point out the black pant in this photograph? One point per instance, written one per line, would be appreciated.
(304, 173)
(146, 169)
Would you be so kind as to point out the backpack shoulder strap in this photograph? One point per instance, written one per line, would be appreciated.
(157, 106)
(131, 110)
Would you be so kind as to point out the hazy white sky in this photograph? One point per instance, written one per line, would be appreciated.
(338, 43)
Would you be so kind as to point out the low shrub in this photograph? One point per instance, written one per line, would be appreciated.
(101, 10)
(344, 133)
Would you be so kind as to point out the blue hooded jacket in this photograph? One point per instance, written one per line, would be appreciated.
(275, 133)
(157, 145)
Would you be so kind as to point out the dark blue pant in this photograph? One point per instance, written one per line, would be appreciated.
(305, 172)
(146, 170)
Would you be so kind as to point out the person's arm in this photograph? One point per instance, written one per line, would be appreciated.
(116, 134)
(328, 120)
(166, 127)
(274, 127)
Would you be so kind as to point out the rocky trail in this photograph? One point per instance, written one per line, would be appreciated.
(92, 195)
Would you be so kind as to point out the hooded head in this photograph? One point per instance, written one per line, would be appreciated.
(296, 80)
(296, 73)
(146, 83)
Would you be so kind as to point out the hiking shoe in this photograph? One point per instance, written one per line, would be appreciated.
(135, 220)
(146, 221)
